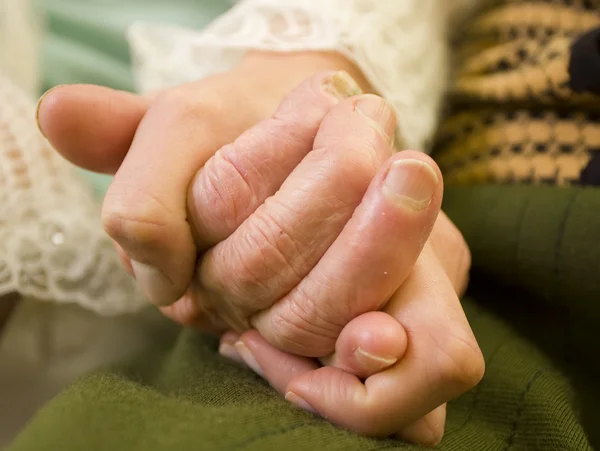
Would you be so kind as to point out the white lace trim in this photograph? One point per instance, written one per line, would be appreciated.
(400, 45)
(52, 245)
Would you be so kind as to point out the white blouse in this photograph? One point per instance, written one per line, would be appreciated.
(401, 46)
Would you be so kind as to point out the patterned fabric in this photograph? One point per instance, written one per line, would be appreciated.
(515, 116)
(400, 46)
(52, 245)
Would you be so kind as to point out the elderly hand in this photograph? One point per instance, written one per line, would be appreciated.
(264, 212)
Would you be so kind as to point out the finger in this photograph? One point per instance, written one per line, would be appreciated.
(275, 366)
(145, 207)
(367, 263)
(452, 252)
(240, 176)
(427, 431)
(91, 126)
(442, 362)
(185, 312)
(284, 238)
(227, 347)
(280, 368)
(368, 344)
(380, 339)
(125, 261)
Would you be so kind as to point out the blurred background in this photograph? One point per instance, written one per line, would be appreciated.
(44, 43)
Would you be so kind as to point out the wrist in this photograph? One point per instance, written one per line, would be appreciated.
(284, 71)
(267, 77)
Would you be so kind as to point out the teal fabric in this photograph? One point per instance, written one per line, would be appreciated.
(85, 40)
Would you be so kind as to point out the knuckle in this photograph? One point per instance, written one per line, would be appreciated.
(285, 335)
(232, 277)
(269, 252)
(309, 94)
(297, 330)
(351, 166)
(133, 216)
(460, 362)
(223, 194)
(249, 273)
(358, 160)
(215, 291)
(184, 312)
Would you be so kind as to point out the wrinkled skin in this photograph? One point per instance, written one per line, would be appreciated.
(289, 230)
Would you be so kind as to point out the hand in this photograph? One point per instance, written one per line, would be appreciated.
(176, 132)
(419, 235)
(149, 221)
(438, 358)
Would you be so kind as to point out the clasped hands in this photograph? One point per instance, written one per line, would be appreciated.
(315, 250)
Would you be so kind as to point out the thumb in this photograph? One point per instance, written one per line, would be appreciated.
(91, 126)
(368, 344)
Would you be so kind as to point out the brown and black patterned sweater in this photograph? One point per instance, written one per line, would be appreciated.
(524, 106)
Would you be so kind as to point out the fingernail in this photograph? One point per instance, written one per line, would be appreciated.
(299, 402)
(373, 362)
(411, 183)
(39, 105)
(155, 285)
(379, 114)
(248, 358)
(229, 352)
(342, 85)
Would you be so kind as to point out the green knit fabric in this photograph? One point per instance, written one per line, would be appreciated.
(534, 306)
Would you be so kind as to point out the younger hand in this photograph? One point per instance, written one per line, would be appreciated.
(438, 357)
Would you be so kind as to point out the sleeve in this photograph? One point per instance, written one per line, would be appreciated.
(52, 245)
(401, 47)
